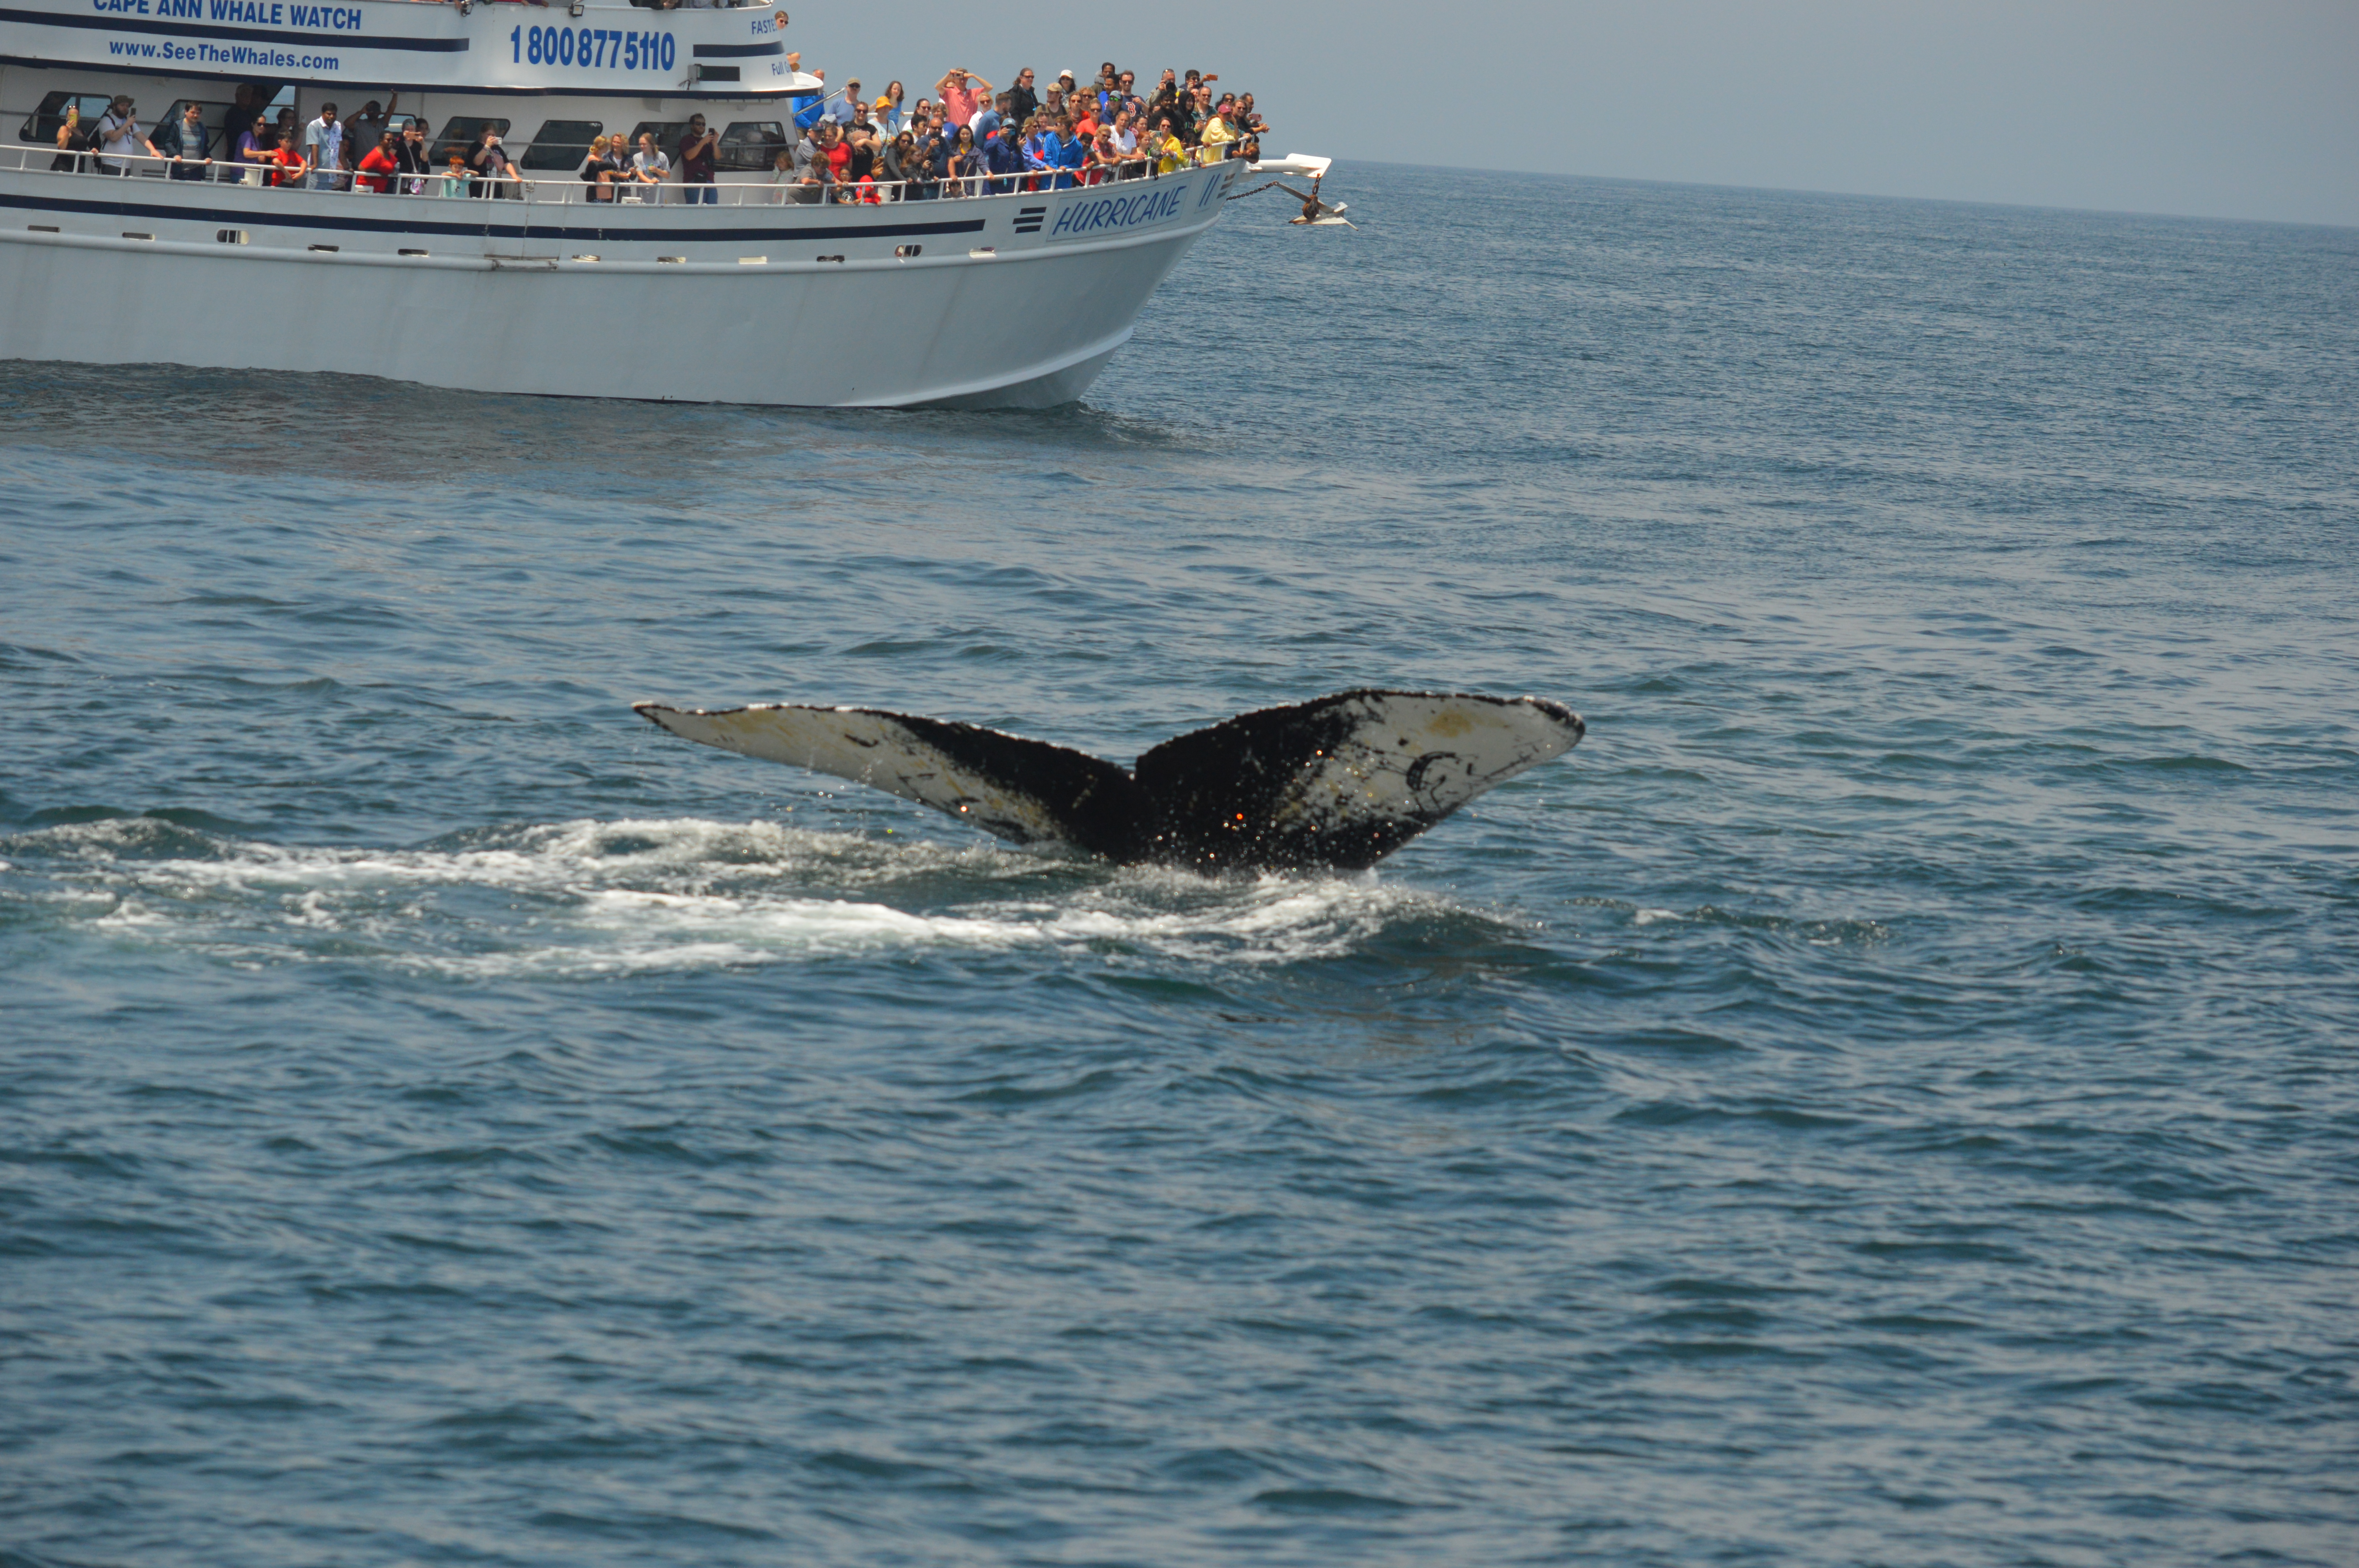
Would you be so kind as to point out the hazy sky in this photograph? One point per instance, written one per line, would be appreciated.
(2243, 110)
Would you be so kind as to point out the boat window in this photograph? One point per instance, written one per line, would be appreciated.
(459, 134)
(560, 144)
(750, 144)
(667, 133)
(43, 124)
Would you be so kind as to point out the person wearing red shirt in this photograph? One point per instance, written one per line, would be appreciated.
(382, 162)
(290, 162)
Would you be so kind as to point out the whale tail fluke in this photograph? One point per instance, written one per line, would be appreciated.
(1339, 781)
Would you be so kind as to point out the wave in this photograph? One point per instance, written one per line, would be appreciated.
(587, 898)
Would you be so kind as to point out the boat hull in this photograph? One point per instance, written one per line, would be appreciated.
(831, 308)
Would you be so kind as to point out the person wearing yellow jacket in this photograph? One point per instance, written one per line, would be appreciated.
(1164, 147)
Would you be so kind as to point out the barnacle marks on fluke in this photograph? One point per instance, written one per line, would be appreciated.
(1339, 782)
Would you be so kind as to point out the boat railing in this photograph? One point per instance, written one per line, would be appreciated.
(567, 190)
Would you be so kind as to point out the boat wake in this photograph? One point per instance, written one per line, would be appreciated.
(585, 898)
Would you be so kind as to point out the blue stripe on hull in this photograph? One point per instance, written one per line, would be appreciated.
(249, 218)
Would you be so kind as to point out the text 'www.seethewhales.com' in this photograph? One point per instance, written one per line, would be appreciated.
(224, 54)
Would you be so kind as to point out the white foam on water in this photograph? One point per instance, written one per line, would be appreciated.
(591, 898)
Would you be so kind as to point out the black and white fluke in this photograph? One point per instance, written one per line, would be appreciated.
(1339, 781)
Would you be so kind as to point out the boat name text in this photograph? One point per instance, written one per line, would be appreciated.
(256, 13)
(1118, 213)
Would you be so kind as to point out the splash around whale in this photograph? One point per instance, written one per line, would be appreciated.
(1339, 781)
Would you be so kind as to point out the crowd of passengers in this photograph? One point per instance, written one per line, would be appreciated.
(969, 140)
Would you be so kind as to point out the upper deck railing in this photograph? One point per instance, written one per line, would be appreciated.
(141, 170)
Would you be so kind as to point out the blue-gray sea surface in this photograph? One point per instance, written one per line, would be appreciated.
(1889, 1097)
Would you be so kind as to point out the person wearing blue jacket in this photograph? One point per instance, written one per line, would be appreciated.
(186, 143)
(1002, 156)
(1040, 151)
(1070, 154)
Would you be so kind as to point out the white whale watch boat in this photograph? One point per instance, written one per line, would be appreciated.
(971, 297)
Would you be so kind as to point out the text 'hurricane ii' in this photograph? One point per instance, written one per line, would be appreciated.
(985, 292)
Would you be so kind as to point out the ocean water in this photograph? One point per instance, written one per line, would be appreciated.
(1887, 1096)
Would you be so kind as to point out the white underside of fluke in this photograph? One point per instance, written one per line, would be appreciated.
(872, 748)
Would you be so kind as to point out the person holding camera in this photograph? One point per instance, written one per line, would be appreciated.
(409, 157)
(495, 171)
(697, 153)
(120, 139)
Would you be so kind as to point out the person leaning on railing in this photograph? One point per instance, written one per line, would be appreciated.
(120, 139)
(1125, 137)
(650, 164)
(186, 143)
(924, 163)
(323, 149)
(1040, 145)
(288, 166)
(378, 164)
(961, 163)
(600, 169)
(255, 147)
(1171, 154)
(1003, 156)
(1215, 139)
(899, 166)
(1072, 153)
